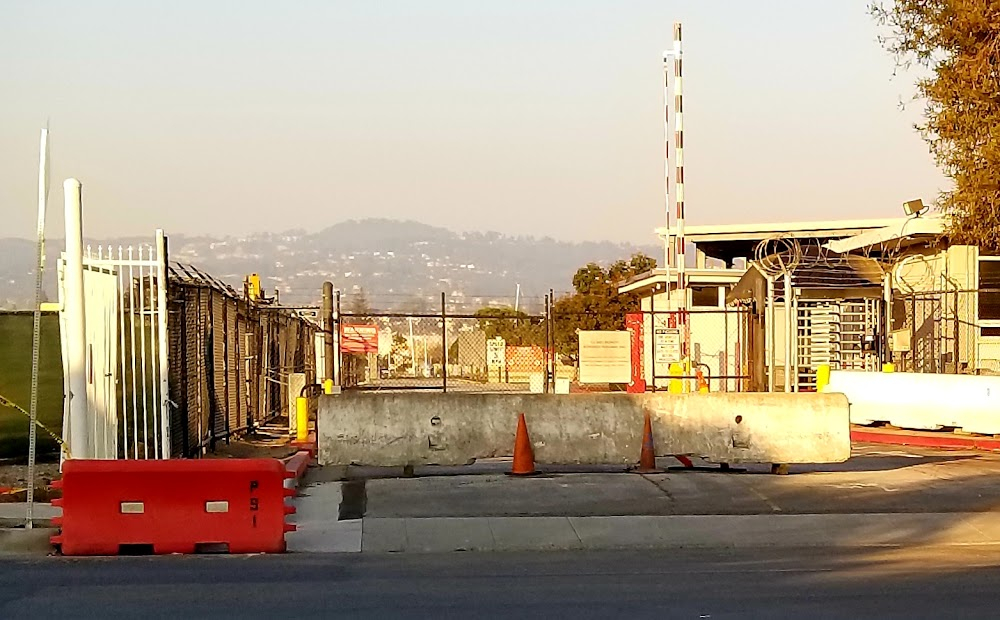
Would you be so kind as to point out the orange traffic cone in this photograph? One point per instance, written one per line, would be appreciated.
(702, 382)
(524, 454)
(647, 457)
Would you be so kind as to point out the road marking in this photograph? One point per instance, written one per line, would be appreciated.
(764, 498)
(863, 485)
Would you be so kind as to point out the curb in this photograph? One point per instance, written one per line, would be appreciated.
(925, 439)
(21, 541)
(296, 466)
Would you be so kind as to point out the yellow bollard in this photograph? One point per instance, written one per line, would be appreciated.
(328, 386)
(822, 377)
(676, 384)
(301, 418)
(888, 368)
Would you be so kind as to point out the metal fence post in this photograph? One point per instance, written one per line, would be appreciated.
(444, 343)
(328, 361)
(549, 348)
(954, 316)
(338, 378)
(652, 339)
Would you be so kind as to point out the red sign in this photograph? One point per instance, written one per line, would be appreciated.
(358, 338)
(634, 324)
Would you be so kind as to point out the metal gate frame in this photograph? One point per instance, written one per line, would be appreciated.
(127, 363)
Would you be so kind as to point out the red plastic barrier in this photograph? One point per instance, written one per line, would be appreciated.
(173, 506)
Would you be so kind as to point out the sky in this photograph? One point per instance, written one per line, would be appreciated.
(534, 117)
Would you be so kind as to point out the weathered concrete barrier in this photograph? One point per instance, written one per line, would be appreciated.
(923, 401)
(395, 429)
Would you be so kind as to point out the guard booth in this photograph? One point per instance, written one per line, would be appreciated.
(811, 306)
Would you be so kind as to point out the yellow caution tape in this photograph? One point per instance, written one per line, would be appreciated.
(9, 403)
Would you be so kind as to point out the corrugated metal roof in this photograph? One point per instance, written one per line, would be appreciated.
(189, 275)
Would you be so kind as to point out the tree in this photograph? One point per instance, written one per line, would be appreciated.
(596, 303)
(514, 326)
(359, 307)
(959, 42)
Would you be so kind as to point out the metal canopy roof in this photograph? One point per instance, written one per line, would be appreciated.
(731, 241)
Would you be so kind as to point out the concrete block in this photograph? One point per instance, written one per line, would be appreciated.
(525, 534)
(326, 537)
(633, 532)
(397, 429)
(20, 541)
(922, 401)
(384, 535)
(448, 534)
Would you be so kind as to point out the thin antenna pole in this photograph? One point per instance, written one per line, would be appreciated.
(43, 195)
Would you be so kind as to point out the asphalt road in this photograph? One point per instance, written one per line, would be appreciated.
(959, 583)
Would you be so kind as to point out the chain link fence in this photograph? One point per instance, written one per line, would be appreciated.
(949, 332)
(230, 360)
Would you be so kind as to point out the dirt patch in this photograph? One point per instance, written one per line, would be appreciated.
(270, 441)
(14, 481)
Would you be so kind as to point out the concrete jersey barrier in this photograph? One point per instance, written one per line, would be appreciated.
(922, 401)
(396, 429)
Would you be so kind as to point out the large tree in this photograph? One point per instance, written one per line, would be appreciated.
(958, 41)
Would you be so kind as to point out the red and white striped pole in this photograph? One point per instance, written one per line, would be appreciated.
(680, 247)
(679, 164)
(668, 244)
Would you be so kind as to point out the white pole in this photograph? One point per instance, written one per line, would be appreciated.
(790, 329)
(76, 325)
(517, 298)
(769, 334)
(413, 351)
(162, 281)
(43, 194)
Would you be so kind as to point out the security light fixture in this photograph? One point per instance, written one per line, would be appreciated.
(914, 207)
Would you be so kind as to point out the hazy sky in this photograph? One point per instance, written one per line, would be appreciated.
(523, 116)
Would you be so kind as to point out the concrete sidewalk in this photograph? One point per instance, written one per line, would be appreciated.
(913, 497)
(445, 534)
(14, 514)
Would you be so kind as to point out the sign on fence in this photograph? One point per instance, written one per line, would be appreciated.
(358, 338)
(668, 345)
(605, 357)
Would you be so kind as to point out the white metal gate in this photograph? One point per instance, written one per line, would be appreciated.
(128, 414)
(833, 333)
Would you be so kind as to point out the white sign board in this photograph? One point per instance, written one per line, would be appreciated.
(385, 342)
(668, 345)
(605, 357)
(496, 353)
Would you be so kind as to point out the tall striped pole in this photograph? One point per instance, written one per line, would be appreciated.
(681, 249)
(679, 162)
(668, 244)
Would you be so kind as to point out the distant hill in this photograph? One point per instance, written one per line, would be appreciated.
(396, 262)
